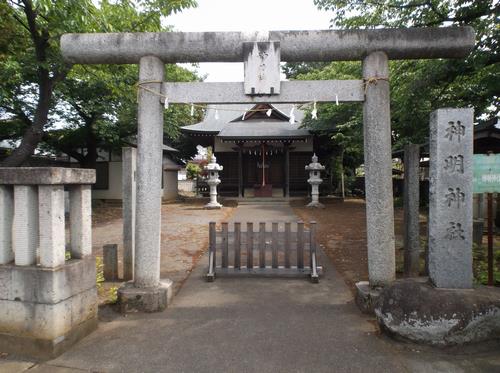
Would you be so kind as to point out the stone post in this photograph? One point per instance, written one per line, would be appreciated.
(213, 169)
(315, 180)
(6, 217)
(378, 170)
(51, 218)
(147, 293)
(450, 198)
(170, 179)
(25, 224)
(80, 205)
(411, 210)
(110, 262)
(129, 156)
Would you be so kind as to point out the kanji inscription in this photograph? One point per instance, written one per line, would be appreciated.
(455, 197)
(455, 231)
(455, 131)
(454, 163)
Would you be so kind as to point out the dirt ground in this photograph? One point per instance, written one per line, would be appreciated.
(184, 239)
(342, 235)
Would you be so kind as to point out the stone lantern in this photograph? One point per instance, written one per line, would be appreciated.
(315, 169)
(213, 169)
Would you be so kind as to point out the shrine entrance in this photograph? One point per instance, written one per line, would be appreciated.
(262, 53)
(265, 173)
(260, 150)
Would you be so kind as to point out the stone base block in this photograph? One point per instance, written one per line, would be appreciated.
(213, 206)
(416, 311)
(47, 285)
(43, 311)
(46, 349)
(47, 321)
(153, 299)
(366, 297)
(316, 205)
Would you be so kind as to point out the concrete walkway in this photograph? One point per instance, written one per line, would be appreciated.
(257, 325)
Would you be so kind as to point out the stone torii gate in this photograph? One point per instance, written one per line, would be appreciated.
(262, 53)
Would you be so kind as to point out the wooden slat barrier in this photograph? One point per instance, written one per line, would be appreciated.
(262, 245)
(277, 250)
(275, 246)
(225, 245)
(237, 245)
(300, 244)
(250, 245)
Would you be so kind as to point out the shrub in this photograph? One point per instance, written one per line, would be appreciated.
(192, 170)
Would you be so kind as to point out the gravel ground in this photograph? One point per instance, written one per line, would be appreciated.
(184, 238)
(342, 235)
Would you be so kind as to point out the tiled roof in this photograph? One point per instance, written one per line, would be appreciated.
(229, 123)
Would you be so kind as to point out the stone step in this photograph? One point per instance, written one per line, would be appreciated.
(264, 203)
(277, 201)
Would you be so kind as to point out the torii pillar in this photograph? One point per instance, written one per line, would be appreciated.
(147, 292)
(373, 47)
(378, 170)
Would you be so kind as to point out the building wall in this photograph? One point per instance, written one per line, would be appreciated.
(187, 186)
(114, 190)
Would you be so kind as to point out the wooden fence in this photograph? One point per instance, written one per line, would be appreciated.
(281, 251)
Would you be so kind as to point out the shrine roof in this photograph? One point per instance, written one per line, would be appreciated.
(250, 130)
(229, 122)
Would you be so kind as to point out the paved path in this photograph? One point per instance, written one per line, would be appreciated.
(256, 325)
(264, 213)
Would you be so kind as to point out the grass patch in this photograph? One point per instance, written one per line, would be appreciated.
(480, 264)
(107, 295)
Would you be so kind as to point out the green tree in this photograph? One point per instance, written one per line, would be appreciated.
(99, 107)
(339, 128)
(417, 87)
(31, 69)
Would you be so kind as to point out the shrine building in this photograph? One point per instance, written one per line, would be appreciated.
(263, 151)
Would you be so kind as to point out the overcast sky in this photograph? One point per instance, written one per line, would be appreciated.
(246, 15)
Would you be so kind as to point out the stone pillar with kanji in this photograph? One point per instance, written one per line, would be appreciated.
(450, 198)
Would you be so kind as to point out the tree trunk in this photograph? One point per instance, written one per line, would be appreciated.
(34, 133)
(91, 156)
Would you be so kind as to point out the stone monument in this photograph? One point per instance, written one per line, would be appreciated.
(213, 169)
(445, 311)
(450, 198)
(48, 296)
(315, 179)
